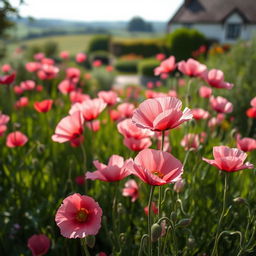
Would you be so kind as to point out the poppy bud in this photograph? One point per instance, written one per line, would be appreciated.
(183, 223)
(156, 231)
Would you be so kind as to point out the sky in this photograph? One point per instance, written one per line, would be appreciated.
(100, 10)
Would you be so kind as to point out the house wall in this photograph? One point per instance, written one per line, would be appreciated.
(218, 31)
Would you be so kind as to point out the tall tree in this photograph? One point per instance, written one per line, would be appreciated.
(137, 24)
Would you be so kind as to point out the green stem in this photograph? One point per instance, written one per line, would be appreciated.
(214, 251)
(84, 246)
(84, 165)
(152, 188)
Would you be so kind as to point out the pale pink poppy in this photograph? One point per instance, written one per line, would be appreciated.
(81, 57)
(164, 76)
(166, 66)
(6, 68)
(3, 128)
(109, 97)
(205, 92)
(156, 167)
(69, 128)
(48, 61)
(4, 119)
(150, 85)
(73, 74)
(78, 216)
(97, 63)
(93, 125)
(179, 186)
(160, 56)
(126, 109)
(215, 78)
(17, 89)
(253, 102)
(190, 141)
(128, 129)
(172, 93)
(43, 106)
(66, 86)
(191, 68)
(245, 144)
(221, 105)
(158, 84)
(213, 122)
(137, 144)
(152, 94)
(114, 115)
(154, 208)
(39, 244)
(78, 97)
(161, 114)
(131, 189)
(39, 56)
(199, 113)
(16, 139)
(28, 85)
(47, 72)
(115, 170)
(22, 102)
(33, 66)
(64, 55)
(90, 109)
(229, 159)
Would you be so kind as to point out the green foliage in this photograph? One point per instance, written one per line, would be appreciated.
(183, 41)
(2, 50)
(143, 47)
(238, 66)
(104, 79)
(103, 56)
(146, 67)
(129, 66)
(99, 43)
(137, 24)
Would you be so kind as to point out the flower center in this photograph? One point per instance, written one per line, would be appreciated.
(157, 173)
(82, 215)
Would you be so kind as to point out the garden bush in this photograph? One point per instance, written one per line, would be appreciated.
(99, 43)
(103, 56)
(147, 66)
(182, 42)
(127, 66)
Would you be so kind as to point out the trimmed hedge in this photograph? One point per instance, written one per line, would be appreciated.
(103, 56)
(99, 43)
(183, 41)
(144, 47)
(129, 66)
(146, 67)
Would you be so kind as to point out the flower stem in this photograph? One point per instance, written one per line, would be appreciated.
(214, 251)
(152, 188)
(84, 246)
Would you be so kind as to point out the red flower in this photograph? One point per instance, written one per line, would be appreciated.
(39, 244)
(43, 106)
(16, 139)
(8, 79)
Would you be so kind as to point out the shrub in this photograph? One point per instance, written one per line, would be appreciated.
(51, 48)
(103, 56)
(103, 78)
(129, 66)
(182, 42)
(143, 47)
(99, 43)
(2, 50)
(146, 67)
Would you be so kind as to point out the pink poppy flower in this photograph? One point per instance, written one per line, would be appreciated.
(181, 82)
(229, 159)
(33, 66)
(131, 189)
(97, 63)
(221, 105)
(39, 88)
(150, 85)
(43, 106)
(164, 76)
(93, 125)
(166, 66)
(109, 97)
(154, 209)
(161, 114)
(69, 128)
(245, 144)
(199, 113)
(129, 130)
(251, 112)
(39, 244)
(205, 92)
(190, 141)
(126, 109)
(179, 186)
(73, 73)
(114, 115)
(48, 61)
(253, 102)
(81, 57)
(22, 102)
(215, 78)
(17, 89)
(160, 56)
(191, 68)
(47, 72)
(109, 68)
(80, 180)
(64, 55)
(137, 144)
(4, 119)
(76, 142)
(3, 128)
(156, 167)
(16, 139)
(78, 216)
(7, 79)
(39, 56)
(28, 85)
(78, 97)
(115, 170)
(172, 93)
(66, 86)
(6, 68)
(90, 109)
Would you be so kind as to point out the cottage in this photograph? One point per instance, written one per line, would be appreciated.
(224, 21)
